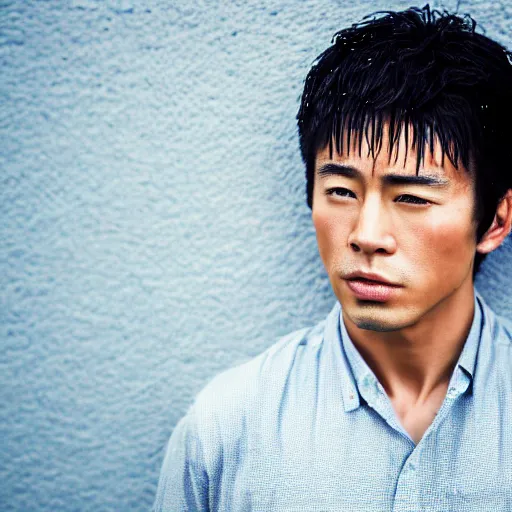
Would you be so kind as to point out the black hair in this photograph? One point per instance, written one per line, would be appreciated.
(418, 69)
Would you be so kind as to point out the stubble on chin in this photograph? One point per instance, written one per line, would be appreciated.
(374, 325)
(371, 317)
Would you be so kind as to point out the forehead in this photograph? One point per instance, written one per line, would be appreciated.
(401, 159)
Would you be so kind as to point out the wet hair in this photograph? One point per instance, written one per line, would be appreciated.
(428, 73)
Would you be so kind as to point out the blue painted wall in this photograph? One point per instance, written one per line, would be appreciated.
(153, 227)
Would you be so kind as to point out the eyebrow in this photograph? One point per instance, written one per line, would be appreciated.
(389, 179)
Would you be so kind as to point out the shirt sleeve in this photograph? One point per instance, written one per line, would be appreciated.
(183, 483)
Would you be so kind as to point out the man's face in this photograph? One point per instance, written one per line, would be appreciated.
(375, 217)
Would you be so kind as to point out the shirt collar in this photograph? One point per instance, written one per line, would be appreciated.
(356, 373)
(467, 359)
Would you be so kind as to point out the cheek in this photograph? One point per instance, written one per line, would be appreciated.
(331, 233)
(448, 246)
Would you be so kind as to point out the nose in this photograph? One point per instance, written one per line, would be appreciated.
(371, 233)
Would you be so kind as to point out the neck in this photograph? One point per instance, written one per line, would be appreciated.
(419, 359)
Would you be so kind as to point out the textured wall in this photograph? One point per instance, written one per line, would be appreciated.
(154, 230)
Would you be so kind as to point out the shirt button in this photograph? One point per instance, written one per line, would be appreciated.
(452, 393)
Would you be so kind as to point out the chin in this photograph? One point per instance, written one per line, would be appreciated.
(374, 325)
(373, 318)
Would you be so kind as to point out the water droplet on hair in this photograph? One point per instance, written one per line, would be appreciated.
(369, 58)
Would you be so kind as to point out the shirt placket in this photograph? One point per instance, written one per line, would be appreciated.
(410, 486)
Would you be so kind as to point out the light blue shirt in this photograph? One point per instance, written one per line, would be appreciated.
(307, 427)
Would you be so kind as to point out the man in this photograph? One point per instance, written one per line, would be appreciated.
(402, 398)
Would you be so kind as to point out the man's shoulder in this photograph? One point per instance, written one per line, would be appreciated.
(233, 392)
(278, 358)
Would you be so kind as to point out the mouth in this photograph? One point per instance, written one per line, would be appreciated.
(369, 277)
(371, 287)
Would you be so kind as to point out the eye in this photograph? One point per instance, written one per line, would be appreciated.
(340, 192)
(406, 198)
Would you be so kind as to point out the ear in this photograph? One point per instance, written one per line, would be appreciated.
(500, 227)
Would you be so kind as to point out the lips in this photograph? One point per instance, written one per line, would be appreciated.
(369, 276)
(371, 287)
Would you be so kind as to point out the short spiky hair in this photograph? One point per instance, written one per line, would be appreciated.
(418, 69)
